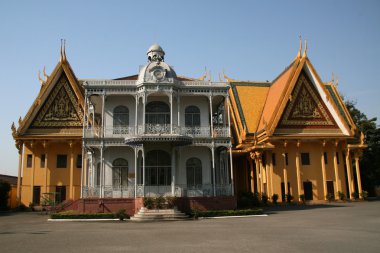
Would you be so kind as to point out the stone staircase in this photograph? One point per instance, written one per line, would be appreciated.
(145, 214)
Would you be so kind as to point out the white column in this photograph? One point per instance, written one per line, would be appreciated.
(101, 172)
(136, 156)
(143, 169)
(228, 117)
(103, 106)
(178, 109)
(173, 171)
(143, 116)
(171, 112)
(213, 169)
(136, 114)
(211, 123)
(232, 172)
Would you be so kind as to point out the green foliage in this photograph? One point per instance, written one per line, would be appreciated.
(159, 202)
(75, 215)
(170, 201)
(121, 214)
(217, 213)
(303, 199)
(148, 202)
(5, 187)
(249, 200)
(289, 198)
(275, 198)
(341, 195)
(330, 197)
(370, 161)
(355, 195)
(264, 198)
(364, 195)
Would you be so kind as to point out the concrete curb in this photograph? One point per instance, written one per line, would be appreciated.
(239, 216)
(83, 219)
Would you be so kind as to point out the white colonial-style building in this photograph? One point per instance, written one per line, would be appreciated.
(156, 134)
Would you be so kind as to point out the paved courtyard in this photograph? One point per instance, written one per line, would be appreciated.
(346, 227)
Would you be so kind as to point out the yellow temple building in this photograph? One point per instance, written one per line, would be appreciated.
(292, 136)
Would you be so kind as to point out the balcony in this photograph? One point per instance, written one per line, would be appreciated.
(109, 191)
(156, 129)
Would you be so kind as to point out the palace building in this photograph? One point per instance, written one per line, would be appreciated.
(92, 142)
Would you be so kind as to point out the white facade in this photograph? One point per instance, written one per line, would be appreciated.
(156, 135)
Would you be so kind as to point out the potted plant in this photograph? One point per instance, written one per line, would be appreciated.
(275, 198)
(121, 214)
(355, 195)
(341, 195)
(364, 195)
(159, 202)
(330, 197)
(148, 202)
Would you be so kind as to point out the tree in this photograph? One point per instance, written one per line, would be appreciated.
(5, 187)
(370, 161)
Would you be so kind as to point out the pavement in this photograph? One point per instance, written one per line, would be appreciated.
(336, 227)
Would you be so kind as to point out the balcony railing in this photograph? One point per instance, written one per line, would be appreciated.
(109, 191)
(153, 129)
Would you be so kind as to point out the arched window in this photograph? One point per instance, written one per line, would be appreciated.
(120, 172)
(192, 116)
(120, 119)
(158, 168)
(157, 113)
(194, 172)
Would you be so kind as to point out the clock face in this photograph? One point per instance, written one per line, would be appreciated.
(159, 74)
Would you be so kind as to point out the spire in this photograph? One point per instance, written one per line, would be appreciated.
(63, 51)
(304, 55)
(300, 48)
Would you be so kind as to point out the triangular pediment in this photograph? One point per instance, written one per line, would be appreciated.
(60, 109)
(305, 108)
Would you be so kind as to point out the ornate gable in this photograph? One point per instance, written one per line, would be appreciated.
(306, 109)
(61, 108)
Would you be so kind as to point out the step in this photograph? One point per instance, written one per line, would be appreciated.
(158, 215)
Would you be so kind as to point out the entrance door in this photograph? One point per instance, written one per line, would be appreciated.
(330, 188)
(308, 190)
(61, 193)
(36, 195)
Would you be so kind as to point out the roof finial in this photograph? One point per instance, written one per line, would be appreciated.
(300, 49)
(61, 52)
(209, 76)
(45, 75)
(42, 81)
(227, 78)
(305, 50)
(202, 78)
(64, 50)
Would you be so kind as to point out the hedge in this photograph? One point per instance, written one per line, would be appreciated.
(83, 216)
(216, 213)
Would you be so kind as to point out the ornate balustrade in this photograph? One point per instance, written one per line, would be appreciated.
(155, 129)
(109, 191)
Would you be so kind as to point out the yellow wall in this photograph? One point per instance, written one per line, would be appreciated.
(50, 176)
(312, 172)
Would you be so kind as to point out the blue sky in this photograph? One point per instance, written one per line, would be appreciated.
(251, 40)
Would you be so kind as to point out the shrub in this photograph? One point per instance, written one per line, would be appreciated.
(5, 187)
(170, 201)
(364, 194)
(159, 202)
(289, 198)
(64, 215)
(341, 195)
(148, 202)
(264, 198)
(275, 198)
(216, 213)
(249, 199)
(303, 199)
(355, 195)
(121, 214)
(330, 197)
